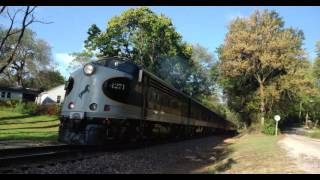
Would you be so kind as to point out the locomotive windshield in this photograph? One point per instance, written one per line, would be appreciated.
(118, 64)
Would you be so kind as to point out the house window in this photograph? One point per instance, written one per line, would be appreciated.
(9, 95)
(3, 94)
(58, 99)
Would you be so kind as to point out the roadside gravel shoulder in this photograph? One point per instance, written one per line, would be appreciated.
(305, 151)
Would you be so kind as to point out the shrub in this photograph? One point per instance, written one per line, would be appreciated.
(26, 108)
(30, 107)
(51, 109)
(9, 103)
(13, 103)
(269, 128)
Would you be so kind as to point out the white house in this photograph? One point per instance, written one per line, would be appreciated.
(52, 96)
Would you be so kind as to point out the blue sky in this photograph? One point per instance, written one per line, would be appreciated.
(204, 25)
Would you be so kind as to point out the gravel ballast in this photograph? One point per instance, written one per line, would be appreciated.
(180, 157)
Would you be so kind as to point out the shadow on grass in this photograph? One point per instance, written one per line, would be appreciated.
(209, 155)
(16, 117)
(41, 127)
(34, 137)
(222, 162)
(34, 122)
(28, 133)
(223, 166)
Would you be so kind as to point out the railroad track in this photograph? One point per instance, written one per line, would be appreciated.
(22, 158)
(17, 156)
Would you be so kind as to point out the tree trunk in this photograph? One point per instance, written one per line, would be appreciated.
(307, 118)
(300, 110)
(262, 104)
(25, 24)
(316, 124)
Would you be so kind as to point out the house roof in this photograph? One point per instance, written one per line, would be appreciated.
(20, 89)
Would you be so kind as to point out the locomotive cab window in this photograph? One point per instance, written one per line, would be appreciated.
(69, 85)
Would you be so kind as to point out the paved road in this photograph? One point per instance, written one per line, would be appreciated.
(305, 151)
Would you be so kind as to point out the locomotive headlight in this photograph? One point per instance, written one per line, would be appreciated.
(93, 106)
(71, 105)
(88, 69)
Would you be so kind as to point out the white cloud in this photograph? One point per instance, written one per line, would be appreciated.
(63, 60)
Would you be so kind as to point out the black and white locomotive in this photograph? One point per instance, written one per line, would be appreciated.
(115, 99)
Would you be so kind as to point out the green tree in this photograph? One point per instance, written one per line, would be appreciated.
(316, 68)
(293, 94)
(46, 80)
(316, 75)
(24, 16)
(139, 34)
(32, 55)
(90, 51)
(256, 50)
(149, 40)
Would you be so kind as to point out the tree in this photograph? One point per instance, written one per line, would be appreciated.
(45, 80)
(316, 75)
(151, 41)
(90, 51)
(7, 53)
(139, 34)
(202, 84)
(316, 68)
(292, 93)
(2, 8)
(256, 50)
(32, 55)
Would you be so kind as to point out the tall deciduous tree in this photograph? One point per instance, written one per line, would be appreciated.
(151, 41)
(317, 63)
(203, 84)
(256, 50)
(32, 56)
(8, 52)
(139, 34)
(46, 79)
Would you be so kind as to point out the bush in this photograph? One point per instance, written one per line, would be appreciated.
(9, 103)
(269, 128)
(26, 108)
(30, 107)
(51, 109)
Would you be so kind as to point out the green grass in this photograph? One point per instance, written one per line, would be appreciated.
(18, 126)
(314, 134)
(255, 153)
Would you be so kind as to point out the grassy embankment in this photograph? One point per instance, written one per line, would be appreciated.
(254, 153)
(18, 126)
(314, 134)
